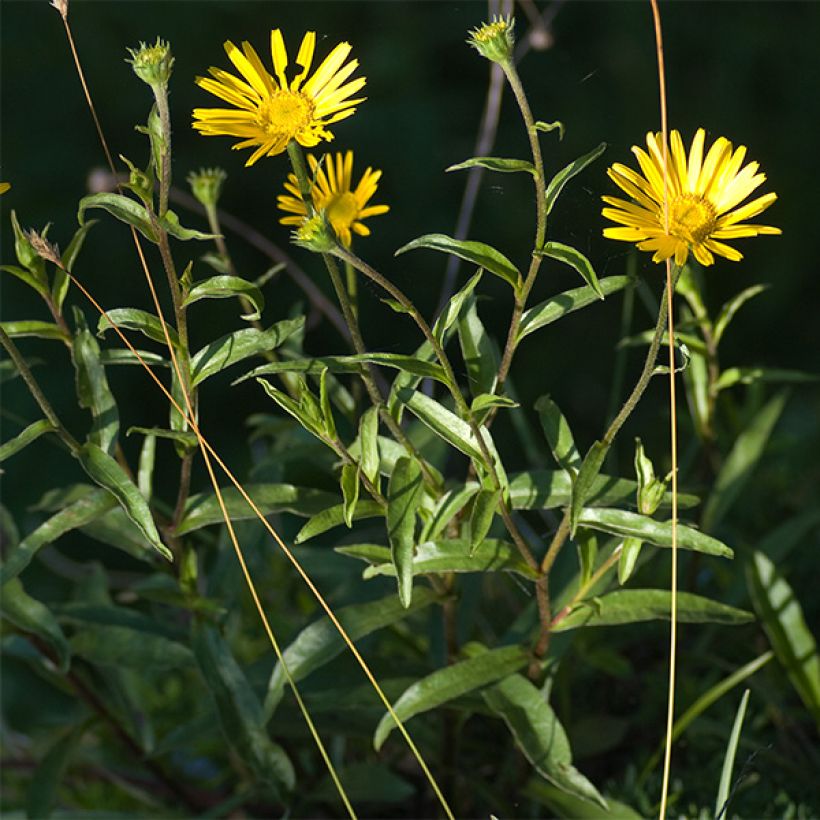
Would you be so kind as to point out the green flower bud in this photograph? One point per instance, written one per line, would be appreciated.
(152, 64)
(315, 234)
(494, 40)
(650, 490)
(206, 185)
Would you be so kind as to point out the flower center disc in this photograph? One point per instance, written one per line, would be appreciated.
(692, 218)
(285, 112)
(342, 210)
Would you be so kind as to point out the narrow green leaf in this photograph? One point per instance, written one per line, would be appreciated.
(446, 508)
(448, 555)
(555, 307)
(78, 513)
(442, 421)
(630, 550)
(722, 801)
(31, 279)
(170, 222)
(121, 207)
(792, 640)
(546, 127)
(145, 470)
(481, 517)
(28, 257)
(25, 437)
(93, 391)
(628, 524)
(36, 328)
(558, 435)
(120, 356)
(32, 616)
(584, 481)
(742, 460)
(575, 259)
(105, 471)
(696, 380)
(304, 410)
(476, 252)
(451, 682)
(404, 493)
(335, 516)
(766, 375)
(226, 287)
(629, 606)
(485, 401)
(234, 347)
(369, 442)
(478, 350)
(728, 311)
(505, 166)
(240, 713)
(350, 491)
(587, 544)
(557, 183)
(452, 309)
(188, 439)
(133, 319)
(203, 509)
(320, 642)
(61, 281)
(124, 646)
(538, 734)
(324, 404)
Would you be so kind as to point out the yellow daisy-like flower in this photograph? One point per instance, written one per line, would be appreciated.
(271, 110)
(704, 195)
(4, 186)
(333, 193)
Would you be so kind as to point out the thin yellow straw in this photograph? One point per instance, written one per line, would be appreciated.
(207, 450)
(673, 629)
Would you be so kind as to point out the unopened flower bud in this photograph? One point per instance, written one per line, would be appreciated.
(315, 234)
(206, 185)
(152, 64)
(494, 40)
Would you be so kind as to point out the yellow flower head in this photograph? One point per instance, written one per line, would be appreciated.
(4, 186)
(494, 40)
(704, 195)
(270, 110)
(332, 193)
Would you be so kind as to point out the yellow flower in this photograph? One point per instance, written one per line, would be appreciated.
(270, 111)
(704, 195)
(332, 193)
(4, 186)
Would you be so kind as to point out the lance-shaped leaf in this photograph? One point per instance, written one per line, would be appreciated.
(226, 287)
(628, 524)
(575, 259)
(239, 710)
(442, 421)
(335, 516)
(25, 437)
(121, 646)
(133, 319)
(121, 207)
(627, 560)
(555, 307)
(557, 183)
(505, 166)
(36, 328)
(584, 481)
(122, 355)
(404, 493)
(451, 682)
(188, 439)
(106, 472)
(350, 491)
(481, 517)
(61, 281)
(33, 271)
(446, 508)
(476, 252)
(93, 391)
(170, 223)
(477, 349)
(32, 616)
(538, 734)
(203, 509)
(320, 642)
(629, 606)
(784, 622)
(767, 375)
(234, 347)
(558, 435)
(742, 460)
(369, 443)
(452, 309)
(728, 311)
(78, 513)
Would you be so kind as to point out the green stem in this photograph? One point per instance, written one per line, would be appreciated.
(161, 98)
(34, 388)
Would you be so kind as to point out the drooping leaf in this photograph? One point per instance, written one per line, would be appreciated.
(628, 524)
(557, 183)
(404, 493)
(25, 437)
(36, 328)
(476, 252)
(335, 516)
(538, 734)
(546, 127)
(742, 460)
(575, 259)
(203, 509)
(106, 472)
(239, 345)
(76, 514)
(451, 682)
(132, 319)
(558, 434)
(784, 622)
(121, 207)
(505, 166)
(32, 616)
(226, 287)
(240, 713)
(555, 307)
(477, 349)
(628, 606)
(320, 642)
